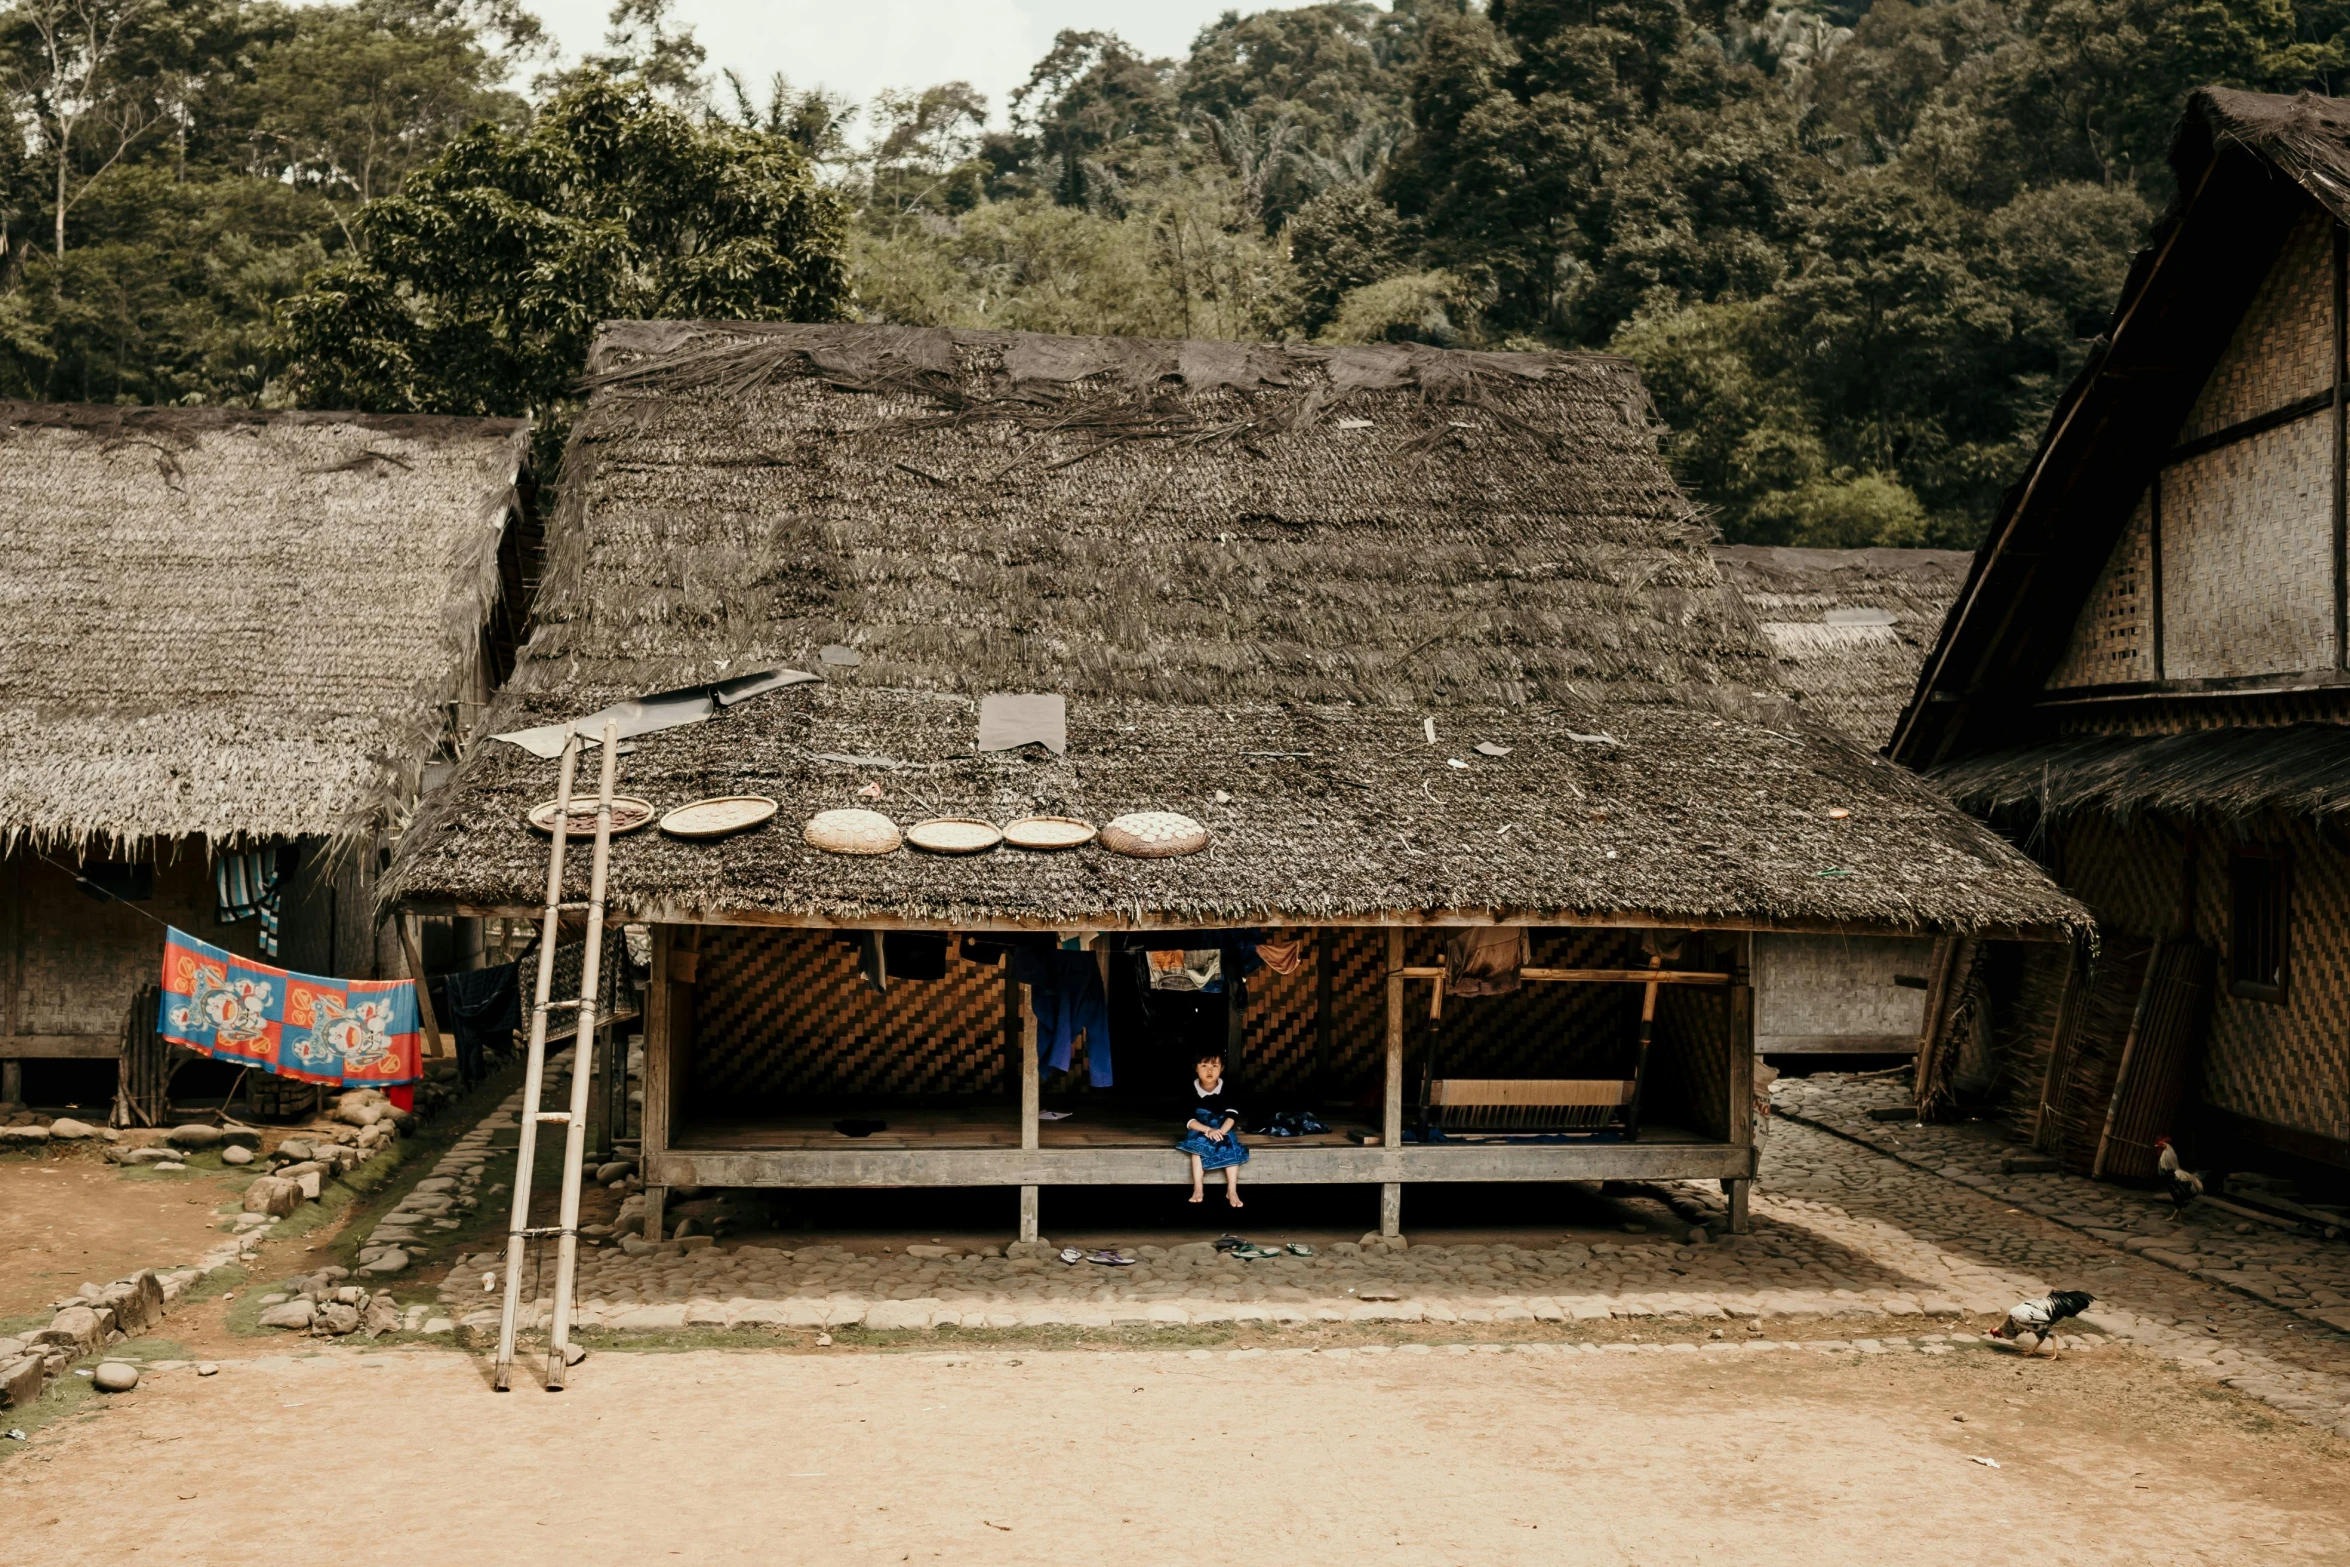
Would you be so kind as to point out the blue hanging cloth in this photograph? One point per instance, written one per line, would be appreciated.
(1065, 991)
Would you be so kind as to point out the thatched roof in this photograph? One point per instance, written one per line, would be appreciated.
(1257, 574)
(225, 622)
(1850, 627)
(2248, 167)
(2229, 774)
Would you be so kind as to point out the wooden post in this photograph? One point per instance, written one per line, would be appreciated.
(1741, 1084)
(1391, 1123)
(1325, 961)
(1930, 1042)
(412, 952)
(1030, 1093)
(660, 1012)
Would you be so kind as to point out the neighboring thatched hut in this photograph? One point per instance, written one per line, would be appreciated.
(233, 634)
(1850, 628)
(1427, 640)
(2147, 678)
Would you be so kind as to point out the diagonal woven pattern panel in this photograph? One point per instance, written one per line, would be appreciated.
(2287, 1063)
(785, 1014)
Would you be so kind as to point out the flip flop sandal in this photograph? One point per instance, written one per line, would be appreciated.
(1229, 1243)
(1071, 1254)
(1253, 1253)
(1109, 1259)
(1299, 1249)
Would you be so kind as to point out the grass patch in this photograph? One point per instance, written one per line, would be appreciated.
(64, 1398)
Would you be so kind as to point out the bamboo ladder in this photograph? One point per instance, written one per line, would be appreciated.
(565, 1232)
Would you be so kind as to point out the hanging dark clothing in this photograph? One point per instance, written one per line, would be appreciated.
(913, 954)
(485, 1008)
(1065, 992)
(1484, 960)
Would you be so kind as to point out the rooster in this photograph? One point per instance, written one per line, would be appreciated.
(2037, 1319)
(2184, 1184)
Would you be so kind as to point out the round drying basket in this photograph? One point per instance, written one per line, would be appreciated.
(1154, 835)
(954, 835)
(720, 816)
(1046, 834)
(853, 832)
(628, 814)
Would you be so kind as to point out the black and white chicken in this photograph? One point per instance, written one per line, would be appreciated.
(2183, 1184)
(2037, 1319)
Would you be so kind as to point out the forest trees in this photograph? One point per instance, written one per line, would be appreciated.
(1856, 246)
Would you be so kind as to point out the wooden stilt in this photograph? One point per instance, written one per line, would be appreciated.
(660, 1026)
(1391, 1123)
(1740, 1087)
(1031, 1093)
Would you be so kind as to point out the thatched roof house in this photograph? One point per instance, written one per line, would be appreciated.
(229, 633)
(2146, 675)
(1261, 577)
(1422, 638)
(227, 623)
(1850, 627)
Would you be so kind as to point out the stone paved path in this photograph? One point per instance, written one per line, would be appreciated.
(1849, 1241)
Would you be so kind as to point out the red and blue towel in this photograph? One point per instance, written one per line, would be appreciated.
(355, 1032)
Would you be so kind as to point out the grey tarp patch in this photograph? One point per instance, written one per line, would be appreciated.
(1009, 720)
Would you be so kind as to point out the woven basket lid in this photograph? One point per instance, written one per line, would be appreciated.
(954, 835)
(628, 814)
(853, 832)
(1049, 832)
(1154, 835)
(718, 816)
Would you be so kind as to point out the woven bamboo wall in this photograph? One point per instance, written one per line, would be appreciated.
(2247, 555)
(784, 1014)
(2286, 1063)
(2114, 640)
(2283, 347)
(1697, 1039)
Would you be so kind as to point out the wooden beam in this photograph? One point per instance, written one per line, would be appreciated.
(1031, 1074)
(61, 1047)
(656, 913)
(1391, 1111)
(412, 954)
(1320, 1166)
(1591, 976)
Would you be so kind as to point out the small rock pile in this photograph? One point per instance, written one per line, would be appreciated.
(432, 1207)
(27, 1130)
(325, 1306)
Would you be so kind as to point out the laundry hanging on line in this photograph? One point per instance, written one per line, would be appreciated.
(1065, 991)
(352, 1032)
(248, 884)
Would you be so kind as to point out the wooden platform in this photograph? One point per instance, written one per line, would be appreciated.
(979, 1147)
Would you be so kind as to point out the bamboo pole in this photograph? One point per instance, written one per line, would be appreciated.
(1391, 1121)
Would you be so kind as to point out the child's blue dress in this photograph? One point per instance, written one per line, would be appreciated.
(1214, 1109)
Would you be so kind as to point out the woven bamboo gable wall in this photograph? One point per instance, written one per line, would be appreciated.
(2247, 555)
(2235, 540)
(2114, 641)
(2283, 348)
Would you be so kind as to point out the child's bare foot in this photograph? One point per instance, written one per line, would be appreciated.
(1234, 1199)
(1196, 1196)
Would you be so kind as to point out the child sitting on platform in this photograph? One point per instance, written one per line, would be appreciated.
(1212, 1135)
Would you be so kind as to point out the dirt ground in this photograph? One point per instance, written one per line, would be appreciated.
(66, 1220)
(1019, 1457)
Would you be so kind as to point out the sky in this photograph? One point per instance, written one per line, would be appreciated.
(859, 47)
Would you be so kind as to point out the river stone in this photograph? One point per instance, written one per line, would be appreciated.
(23, 1134)
(65, 1129)
(115, 1376)
(392, 1261)
(294, 1148)
(235, 1155)
(337, 1318)
(20, 1380)
(617, 1170)
(194, 1135)
(272, 1196)
(308, 1180)
(293, 1314)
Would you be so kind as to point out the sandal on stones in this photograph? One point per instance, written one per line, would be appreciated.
(1071, 1254)
(1300, 1249)
(1109, 1259)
